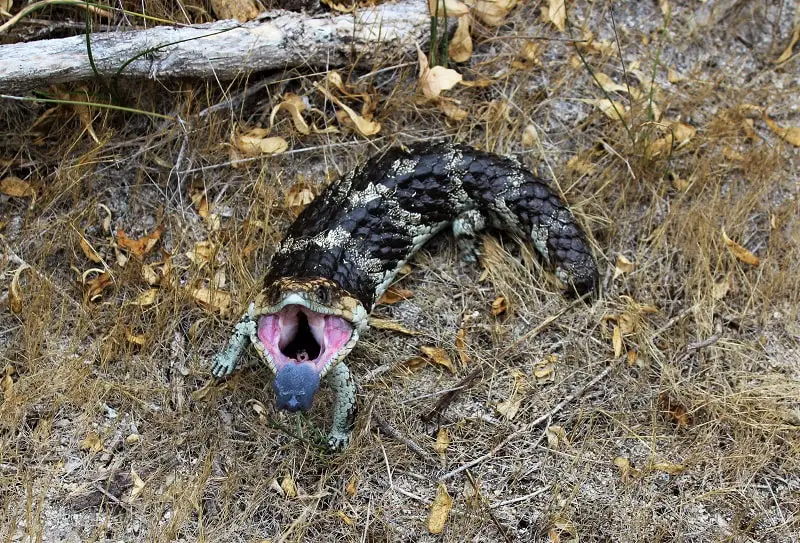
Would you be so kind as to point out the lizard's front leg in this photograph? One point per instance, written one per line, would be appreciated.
(344, 406)
(225, 362)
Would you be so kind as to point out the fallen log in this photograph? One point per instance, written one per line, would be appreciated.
(223, 50)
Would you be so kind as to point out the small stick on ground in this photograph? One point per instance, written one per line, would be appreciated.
(444, 402)
(394, 433)
(602, 375)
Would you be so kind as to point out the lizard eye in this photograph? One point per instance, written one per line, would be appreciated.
(322, 295)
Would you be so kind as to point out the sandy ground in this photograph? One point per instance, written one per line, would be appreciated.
(686, 427)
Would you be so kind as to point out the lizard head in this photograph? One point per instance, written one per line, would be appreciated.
(308, 325)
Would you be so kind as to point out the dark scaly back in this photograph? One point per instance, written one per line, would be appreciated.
(366, 225)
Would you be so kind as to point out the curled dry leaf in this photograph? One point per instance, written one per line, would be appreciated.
(740, 252)
(213, 299)
(613, 109)
(679, 134)
(609, 85)
(556, 435)
(241, 10)
(288, 487)
(15, 292)
(442, 442)
(461, 347)
(364, 126)
(257, 143)
(16, 188)
(434, 80)
(453, 8)
(293, 104)
(136, 339)
(499, 306)
(623, 265)
(787, 53)
(92, 443)
(492, 12)
(89, 252)
(439, 356)
(7, 383)
(384, 324)
(138, 486)
(140, 247)
(460, 48)
(440, 509)
(450, 108)
(146, 298)
(299, 196)
(790, 134)
(626, 471)
(202, 253)
(95, 287)
(616, 340)
(556, 13)
(342, 515)
(581, 164)
(352, 486)
(395, 294)
(529, 136)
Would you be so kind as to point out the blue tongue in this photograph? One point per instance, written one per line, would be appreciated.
(295, 385)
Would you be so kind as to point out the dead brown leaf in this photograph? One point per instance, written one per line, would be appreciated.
(789, 134)
(442, 442)
(450, 108)
(384, 324)
(460, 47)
(92, 443)
(395, 294)
(623, 265)
(16, 188)
(95, 287)
(439, 356)
(453, 8)
(352, 486)
(616, 340)
(432, 81)
(669, 468)
(15, 292)
(288, 486)
(556, 13)
(295, 106)
(613, 109)
(492, 12)
(140, 247)
(213, 299)
(678, 413)
(499, 306)
(440, 509)
(257, 143)
(89, 251)
(241, 10)
(740, 252)
(787, 53)
(146, 298)
(461, 347)
(299, 196)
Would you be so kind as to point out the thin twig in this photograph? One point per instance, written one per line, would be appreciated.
(519, 499)
(395, 434)
(444, 402)
(500, 527)
(602, 375)
(545, 323)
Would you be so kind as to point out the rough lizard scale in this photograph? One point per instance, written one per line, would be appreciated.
(348, 245)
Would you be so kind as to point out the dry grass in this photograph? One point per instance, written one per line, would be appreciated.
(673, 444)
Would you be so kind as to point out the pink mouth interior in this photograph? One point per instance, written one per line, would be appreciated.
(298, 335)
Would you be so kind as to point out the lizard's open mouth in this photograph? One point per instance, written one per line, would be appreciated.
(298, 335)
